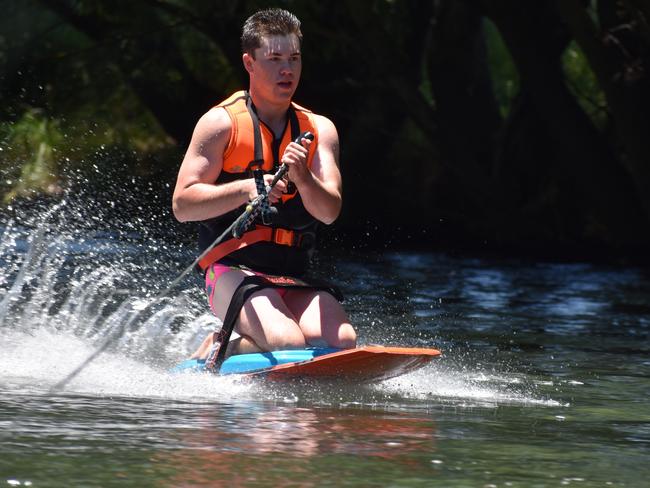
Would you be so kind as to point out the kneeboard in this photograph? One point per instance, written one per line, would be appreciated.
(361, 363)
(364, 363)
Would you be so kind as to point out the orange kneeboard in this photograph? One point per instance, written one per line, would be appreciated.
(363, 363)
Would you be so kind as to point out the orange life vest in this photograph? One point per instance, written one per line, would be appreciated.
(240, 157)
(286, 247)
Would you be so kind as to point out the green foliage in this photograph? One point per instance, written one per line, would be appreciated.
(85, 106)
(427, 94)
(584, 85)
(29, 161)
(38, 150)
(505, 78)
(206, 60)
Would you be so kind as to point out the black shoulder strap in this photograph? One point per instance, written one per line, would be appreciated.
(258, 151)
(295, 124)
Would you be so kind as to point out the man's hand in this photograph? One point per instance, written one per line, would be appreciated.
(276, 192)
(295, 157)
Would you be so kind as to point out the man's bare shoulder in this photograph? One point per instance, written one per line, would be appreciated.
(215, 124)
(326, 128)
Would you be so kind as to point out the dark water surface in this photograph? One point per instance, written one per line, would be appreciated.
(544, 381)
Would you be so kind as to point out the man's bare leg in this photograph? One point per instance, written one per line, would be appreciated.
(265, 324)
(321, 319)
(268, 322)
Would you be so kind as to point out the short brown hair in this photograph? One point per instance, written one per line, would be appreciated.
(268, 22)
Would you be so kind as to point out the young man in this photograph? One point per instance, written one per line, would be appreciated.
(254, 130)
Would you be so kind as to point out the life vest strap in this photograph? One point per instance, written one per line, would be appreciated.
(261, 233)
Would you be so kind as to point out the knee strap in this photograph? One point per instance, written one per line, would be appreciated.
(252, 284)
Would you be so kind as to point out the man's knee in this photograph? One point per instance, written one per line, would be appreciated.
(294, 340)
(284, 334)
(340, 336)
(346, 338)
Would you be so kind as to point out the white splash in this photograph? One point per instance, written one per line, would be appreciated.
(63, 295)
(36, 362)
(464, 388)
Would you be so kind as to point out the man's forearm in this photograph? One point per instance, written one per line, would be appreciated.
(203, 201)
(322, 202)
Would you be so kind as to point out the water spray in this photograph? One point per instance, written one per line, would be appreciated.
(236, 229)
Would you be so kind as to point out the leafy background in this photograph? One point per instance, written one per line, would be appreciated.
(512, 126)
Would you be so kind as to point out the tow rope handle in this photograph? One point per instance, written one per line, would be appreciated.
(261, 201)
(266, 210)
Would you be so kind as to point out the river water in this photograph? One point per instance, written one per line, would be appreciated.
(544, 380)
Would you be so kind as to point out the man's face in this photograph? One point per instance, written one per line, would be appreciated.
(275, 70)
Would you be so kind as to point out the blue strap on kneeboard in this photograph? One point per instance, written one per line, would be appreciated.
(255, 362)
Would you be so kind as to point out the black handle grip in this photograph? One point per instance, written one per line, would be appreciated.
(305, 135)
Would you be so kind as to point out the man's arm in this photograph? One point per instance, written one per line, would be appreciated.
(320, 188)
(196, 196)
